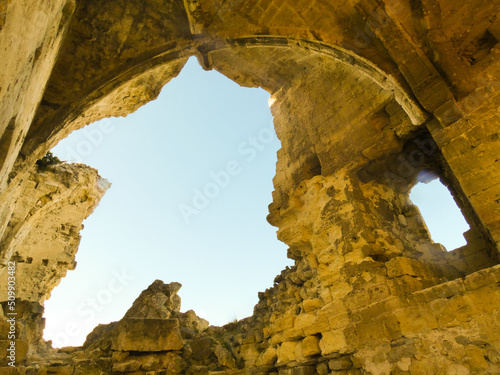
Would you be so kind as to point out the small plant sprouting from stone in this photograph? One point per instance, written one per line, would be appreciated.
(48, 159)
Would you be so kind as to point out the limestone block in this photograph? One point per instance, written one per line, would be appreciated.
(201, 348)
(326, 296)
(249, 353)
(286, 351)
(149, 362)
(311, 304)
(322, 323)
(147, 335)
(310, 346)
(299, 356)
(115, 356)
(269, 357)
(305, 320)
(415, 320)
(332, 316)
(64, 370)
(158, 301)
(56, 370)
(194, 369)
(224, 356)
(293, 334)
(277, 338)
(172, 362)
(284, 322)
(378, 292)
(12, 370)
(342, 363)
(448, 113)
(400, 266)
(299, 370)
(189, 319)
(333, 342)
(461, 308)
(128, 366)
(322, 368)
(476, 359)
(482, 278)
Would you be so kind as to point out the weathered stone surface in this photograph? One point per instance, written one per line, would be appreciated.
(333, 342)
(224, 356)
(158, 301)
(269, 357)
(128, 366)
(148, 335)
(286, 351)
(201, 349)
(343, 363)
(310, 346)
(30, 40)
(43, 233)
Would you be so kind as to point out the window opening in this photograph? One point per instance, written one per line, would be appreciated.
(444, 219)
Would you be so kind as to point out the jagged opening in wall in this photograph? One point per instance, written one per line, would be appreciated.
(312, 167)
(192, 177)
(444, 219)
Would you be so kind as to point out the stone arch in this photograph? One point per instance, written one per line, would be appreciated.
(273, 63)
(132, 86)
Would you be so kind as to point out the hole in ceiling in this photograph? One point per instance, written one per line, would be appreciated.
(191, 178)
(444, 219)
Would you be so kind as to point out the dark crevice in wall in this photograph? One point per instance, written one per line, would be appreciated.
(401, 170)
(312, 167)
(6, 141)
(479, 49)
(420, 160)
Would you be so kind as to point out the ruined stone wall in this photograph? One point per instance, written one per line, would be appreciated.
(43, 233)
(42, 239)
(366, 95)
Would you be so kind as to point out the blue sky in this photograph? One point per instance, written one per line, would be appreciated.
(441, 214)
(204, 135)
(191, 178)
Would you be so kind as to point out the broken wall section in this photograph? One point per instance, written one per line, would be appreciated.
(42, 239)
